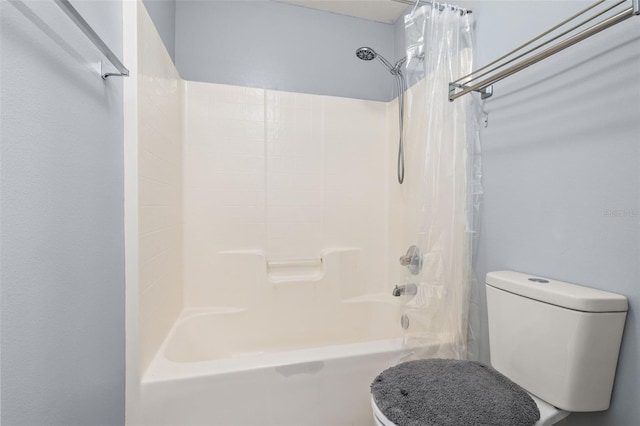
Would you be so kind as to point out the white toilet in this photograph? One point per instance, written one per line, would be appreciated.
(558, 341)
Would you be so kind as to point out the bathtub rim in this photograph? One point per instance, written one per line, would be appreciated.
(161, 369)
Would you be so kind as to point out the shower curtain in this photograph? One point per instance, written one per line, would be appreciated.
(442, 187)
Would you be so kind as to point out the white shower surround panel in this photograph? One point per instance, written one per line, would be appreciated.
(265, 217)
(160, 187)
(287, 174)
(208, 156)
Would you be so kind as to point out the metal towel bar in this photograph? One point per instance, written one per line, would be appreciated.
(463, 85)
(73, 14)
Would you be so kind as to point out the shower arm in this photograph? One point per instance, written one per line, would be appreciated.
(386, 63)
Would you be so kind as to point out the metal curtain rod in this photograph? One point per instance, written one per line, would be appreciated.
(485, 87)
(413, 2)
(95, 39)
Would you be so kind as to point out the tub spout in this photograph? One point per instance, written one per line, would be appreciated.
(409, 289)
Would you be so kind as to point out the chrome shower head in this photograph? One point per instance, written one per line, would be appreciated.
(366, 53)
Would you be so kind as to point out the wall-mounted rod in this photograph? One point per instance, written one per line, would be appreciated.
(533, 49)
(423, 2)
(609, 22)
(73, 14)
(549, 31)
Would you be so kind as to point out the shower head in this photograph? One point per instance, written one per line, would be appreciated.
(368, 54)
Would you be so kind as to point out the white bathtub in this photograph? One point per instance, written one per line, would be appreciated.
(253, 376)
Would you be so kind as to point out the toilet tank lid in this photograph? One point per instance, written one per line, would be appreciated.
(566, 295)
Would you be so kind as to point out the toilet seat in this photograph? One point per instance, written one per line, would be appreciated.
(549, 415)
(378, 416)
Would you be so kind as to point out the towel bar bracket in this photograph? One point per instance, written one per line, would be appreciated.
(485, 92)
(89, 32)
(636, 7)
(104, 73)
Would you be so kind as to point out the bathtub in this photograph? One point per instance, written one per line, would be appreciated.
(232, 367)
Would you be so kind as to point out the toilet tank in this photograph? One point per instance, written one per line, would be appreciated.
(559, 341)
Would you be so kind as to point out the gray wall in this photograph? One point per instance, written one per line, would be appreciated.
(282, 47)
(163, 14)
(62, 237)
(561, 170)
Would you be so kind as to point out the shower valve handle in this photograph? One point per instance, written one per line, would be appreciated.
(412, 260)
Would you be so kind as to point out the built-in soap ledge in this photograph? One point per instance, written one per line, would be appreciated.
(339, 265)
(288, 270)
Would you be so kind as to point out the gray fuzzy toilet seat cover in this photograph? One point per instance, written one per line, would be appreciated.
(446, 392)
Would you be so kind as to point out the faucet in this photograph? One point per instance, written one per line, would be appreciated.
(409, 289)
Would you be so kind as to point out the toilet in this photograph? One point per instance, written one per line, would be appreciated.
(556, 340)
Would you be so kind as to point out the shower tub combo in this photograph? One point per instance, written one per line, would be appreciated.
(197, 380)
(263, 364)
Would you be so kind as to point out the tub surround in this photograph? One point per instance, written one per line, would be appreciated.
(286, 240)
(160, 188)
(287, 174)
(249, 195)
(261, 214)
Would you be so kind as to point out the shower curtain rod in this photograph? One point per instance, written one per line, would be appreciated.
(84, 26)
(423, 2)
(485, 87)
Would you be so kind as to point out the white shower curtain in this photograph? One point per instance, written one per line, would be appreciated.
(442, 185)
